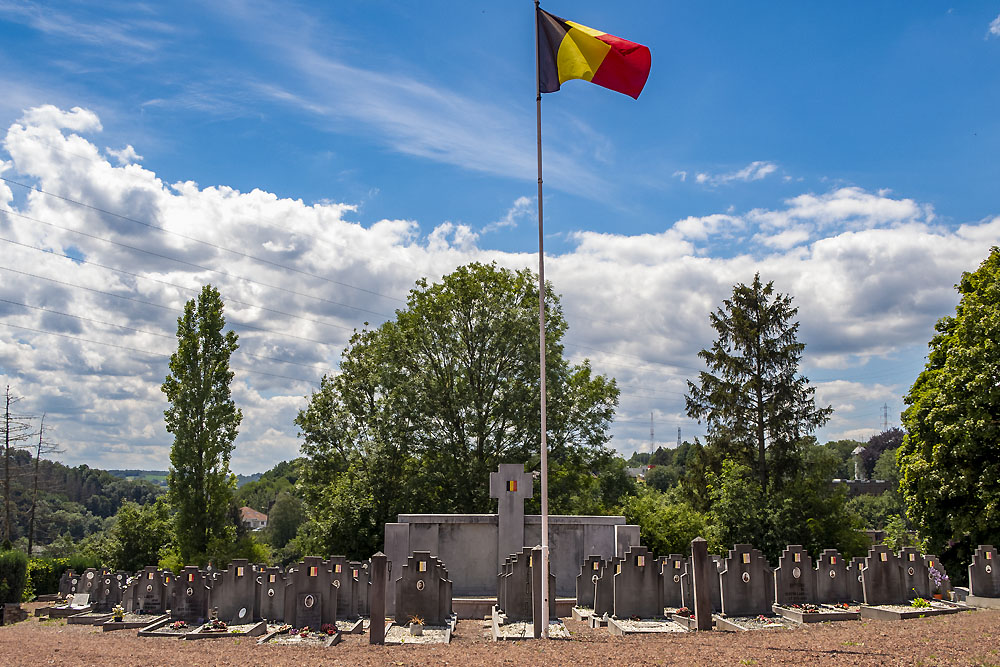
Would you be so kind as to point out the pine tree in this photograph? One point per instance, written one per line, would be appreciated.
(756, 405)
(204, 420)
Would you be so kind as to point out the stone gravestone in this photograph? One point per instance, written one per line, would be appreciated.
(604, 587)
(66, 586)
(505, 569)
(794, 579)
(855, 574)
(310, 597)
(87, 582)
(932, 562)
(585, 581)
(109, 590)
(984, 578)
(510, 485)
(232, 596)
(423, 589)
(638, 587)
(747, 582)
(916, 584)
(882, 577)
(272, 594)
(671, 570)
(517, 587)
(359, 587)
(832, 578)
(340, 570)
(150, 591)
(190, 596)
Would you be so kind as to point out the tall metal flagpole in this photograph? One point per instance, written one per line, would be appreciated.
(541, 348)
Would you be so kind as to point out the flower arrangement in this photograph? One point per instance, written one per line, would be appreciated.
(178, 625)
(328, 629)
(416, 625)
(761, 618)
(118, 612)
(920, 603)
(842, 605)
(684, 611)
(416, 620)
(939, 579)
(304, 632)
(282, 629)
(215, 625)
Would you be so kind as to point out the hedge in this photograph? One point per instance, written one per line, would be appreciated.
(13, 575)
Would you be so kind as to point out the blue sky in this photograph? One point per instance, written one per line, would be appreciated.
(843, 150)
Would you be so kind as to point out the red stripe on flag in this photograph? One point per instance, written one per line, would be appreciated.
(625, 68)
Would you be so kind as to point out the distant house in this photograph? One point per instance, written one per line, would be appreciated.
(253, 519)
(638, 473)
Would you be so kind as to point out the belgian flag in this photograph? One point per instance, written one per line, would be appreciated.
(568, 50)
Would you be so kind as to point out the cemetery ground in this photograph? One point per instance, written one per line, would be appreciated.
(971, 638)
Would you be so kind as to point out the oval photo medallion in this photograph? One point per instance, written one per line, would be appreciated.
(677, 578)
(149, 588)
(989, 569)
(420, 584)
(309, 601)
(90, 575)
(746, 577)
(336, 583)
(796, 572)
(909, 571)
(833, 574)
(243, 612)
(270, 592)
(189, 591)
(594, 578)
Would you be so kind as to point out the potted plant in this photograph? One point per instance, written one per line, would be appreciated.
(416, 626)
(118, 613)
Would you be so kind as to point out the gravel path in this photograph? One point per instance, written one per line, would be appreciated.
(961, 639)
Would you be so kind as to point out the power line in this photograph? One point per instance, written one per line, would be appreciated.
(191, 264)
(170, 284)
(196, 240)
(160, 335)
(158, 305)
(149, 352)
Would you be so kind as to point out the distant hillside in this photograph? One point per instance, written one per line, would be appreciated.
(159, 477)
(73, 502)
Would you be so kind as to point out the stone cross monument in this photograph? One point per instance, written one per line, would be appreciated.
(510, 485)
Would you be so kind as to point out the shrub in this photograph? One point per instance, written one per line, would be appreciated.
(13, 575)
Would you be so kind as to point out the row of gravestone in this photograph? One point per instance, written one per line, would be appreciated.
(100, 588)
(311, 593)
(637, 585)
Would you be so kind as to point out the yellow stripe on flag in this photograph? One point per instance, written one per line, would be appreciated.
(580, 54)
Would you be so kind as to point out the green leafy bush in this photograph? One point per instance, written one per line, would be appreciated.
(13, 575)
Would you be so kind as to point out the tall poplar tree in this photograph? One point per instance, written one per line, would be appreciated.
(758, 408)
(204, 420)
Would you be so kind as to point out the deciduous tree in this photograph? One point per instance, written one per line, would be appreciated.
(428, 404)
(204, 420)
(948, 459)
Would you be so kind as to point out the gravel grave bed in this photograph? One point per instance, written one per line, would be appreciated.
(523, 630)
(648, 626)
(758, 623)
(400, 634)
(971, 638)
